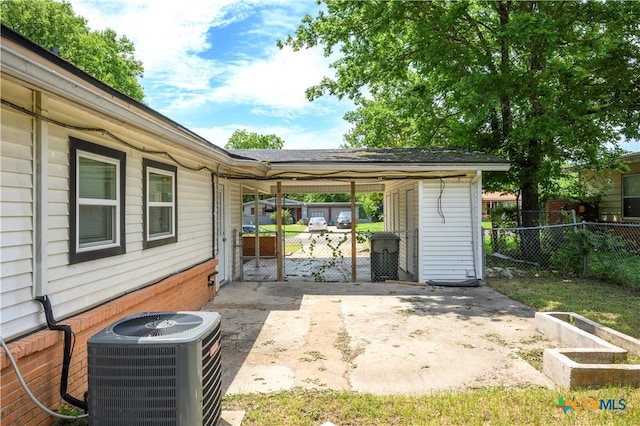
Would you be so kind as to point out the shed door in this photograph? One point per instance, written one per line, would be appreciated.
(410, 238)
(221, 231)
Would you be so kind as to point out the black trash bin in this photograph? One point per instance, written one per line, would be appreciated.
(385, 249)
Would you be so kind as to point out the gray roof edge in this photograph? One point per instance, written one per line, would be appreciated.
(411, 155)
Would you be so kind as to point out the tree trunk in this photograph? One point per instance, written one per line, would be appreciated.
(530, 238)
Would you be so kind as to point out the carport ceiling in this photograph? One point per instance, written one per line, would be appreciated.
(333, 170)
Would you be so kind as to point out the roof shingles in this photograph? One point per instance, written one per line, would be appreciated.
(368, 155)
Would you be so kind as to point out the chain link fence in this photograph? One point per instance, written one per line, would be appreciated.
(608, 251)
(258, 257)
(326, 256)
(511, 217)
(320, 256)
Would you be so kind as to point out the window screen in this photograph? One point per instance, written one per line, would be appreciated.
(160, 203)
(97, 196)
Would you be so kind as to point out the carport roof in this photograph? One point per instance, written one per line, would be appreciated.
(422, 155)
(330, 170)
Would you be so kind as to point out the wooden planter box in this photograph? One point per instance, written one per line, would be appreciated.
(267, 245)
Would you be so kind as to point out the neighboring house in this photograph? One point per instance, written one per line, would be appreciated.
(622, 202)
(266, 207)
(299, 210)
(110, 208)
(491, 200)
(328, 210)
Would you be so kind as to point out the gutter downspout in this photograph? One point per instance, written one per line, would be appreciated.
(41, 172)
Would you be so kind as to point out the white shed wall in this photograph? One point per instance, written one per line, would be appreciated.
(446, 238)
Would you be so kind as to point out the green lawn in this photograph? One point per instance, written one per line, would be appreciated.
(609, 304)
(292, 230)
(289, 230)
(370, 227)
(493, 406)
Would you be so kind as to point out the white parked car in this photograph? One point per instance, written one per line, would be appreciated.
(317, 224)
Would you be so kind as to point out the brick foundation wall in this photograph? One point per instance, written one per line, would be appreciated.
(39, 355)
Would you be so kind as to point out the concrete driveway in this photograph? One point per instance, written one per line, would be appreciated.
(373, 337)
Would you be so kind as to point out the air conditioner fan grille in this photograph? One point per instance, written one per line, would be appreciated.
(160, 324)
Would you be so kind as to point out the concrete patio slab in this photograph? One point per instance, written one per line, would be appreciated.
(373, 337)
(231, 418)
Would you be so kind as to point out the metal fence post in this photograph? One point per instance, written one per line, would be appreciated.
(484, 256)
(585, 256)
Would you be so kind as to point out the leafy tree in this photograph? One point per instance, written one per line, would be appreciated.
(372, 205)
(327, 198)
(542, 83)
(102, 54)
(241, 139)
(286, 216)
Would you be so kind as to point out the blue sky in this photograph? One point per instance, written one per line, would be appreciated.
(214, 67)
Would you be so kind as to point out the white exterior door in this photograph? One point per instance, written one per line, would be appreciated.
(410, 238)
(221, 220)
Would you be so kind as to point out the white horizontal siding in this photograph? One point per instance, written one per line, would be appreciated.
(16, 283)
(75, 288)
(610, 208)
(446, 235)
(611, 205)
(195, 196)
(16, 224)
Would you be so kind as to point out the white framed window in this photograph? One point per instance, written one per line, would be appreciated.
(97, 195)
(631, 197)
(160, 203)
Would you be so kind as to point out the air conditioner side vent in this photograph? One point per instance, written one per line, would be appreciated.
(212, 377)
(144, 378)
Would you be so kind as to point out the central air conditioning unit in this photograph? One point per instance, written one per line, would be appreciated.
(156, 368)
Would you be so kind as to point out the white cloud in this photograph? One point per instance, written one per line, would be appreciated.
(166, 33)
(327, 138)
(217, 135)
(294, 137)
(279, 81)
(170, 37)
